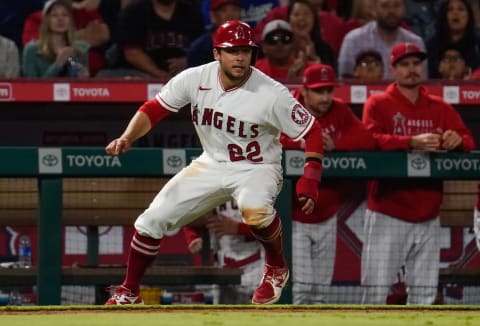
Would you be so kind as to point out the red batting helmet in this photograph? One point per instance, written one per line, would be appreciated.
(233, 33)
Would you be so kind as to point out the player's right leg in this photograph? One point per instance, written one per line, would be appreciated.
(191, 193)
(256, 188)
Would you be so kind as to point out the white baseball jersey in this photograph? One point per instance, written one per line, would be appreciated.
(239, 124)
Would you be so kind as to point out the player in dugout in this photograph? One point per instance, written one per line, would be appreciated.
(314, 235)
(239, 114)
(402, 224)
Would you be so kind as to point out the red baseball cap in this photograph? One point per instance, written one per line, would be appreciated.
(215, 4)
(318, 75)
(403, 50)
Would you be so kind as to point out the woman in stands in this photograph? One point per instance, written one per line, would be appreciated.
(308, 42)
(56, 53)
(455, 26)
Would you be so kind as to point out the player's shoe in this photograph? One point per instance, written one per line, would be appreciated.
(271, 285)
(123, 296)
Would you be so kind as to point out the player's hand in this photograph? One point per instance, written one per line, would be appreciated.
(328, 143)
(308, 205)
(221, 225)
(451, 140)
(118, 146)
(195, 246)
(307, 192)
(429, 142)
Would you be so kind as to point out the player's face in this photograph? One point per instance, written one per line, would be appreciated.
(59, 19)
(408, 72)
(318, 100)
(234, 62)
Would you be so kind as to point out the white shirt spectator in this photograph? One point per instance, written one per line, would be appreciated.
(368, 38)
(9, 59)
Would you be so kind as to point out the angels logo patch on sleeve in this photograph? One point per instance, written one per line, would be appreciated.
(300, 115)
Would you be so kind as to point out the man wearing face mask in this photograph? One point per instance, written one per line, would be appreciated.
(154, 36)
(314, 235)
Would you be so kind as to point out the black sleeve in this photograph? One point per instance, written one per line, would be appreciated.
(132, 24)
(326, 54)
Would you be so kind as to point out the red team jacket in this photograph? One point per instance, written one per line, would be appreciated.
(393, 119)
(349, 134)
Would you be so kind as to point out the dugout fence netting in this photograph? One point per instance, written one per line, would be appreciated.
(117, 201)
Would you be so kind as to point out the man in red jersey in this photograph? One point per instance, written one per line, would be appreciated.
(314, 235)
(402, 220)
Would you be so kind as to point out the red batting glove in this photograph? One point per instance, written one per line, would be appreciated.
(307, 185)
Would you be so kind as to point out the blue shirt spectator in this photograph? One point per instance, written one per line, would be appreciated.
(253, 11)
(12, 16)
(200, 51)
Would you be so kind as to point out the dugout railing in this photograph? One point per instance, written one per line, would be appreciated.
(51, 165)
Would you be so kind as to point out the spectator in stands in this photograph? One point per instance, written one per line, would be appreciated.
(363, 11)
(56, 53)
(475, 4)
(200, 51)
(303, 19)
(314, 235)
(420, 17)
(12, 17)
(89, 27)
(368, 66)
(252, 11)
(9, 59)
(402, 219)
(154, 36)
(475, 74)
(332, 28)
(234, 246)
(453, 65)
(108, 10)
(455, 26)
(279, 61)
(382, 35)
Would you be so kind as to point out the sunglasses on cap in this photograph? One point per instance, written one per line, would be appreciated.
(273, 39)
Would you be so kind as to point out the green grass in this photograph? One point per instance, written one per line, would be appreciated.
(219, 315)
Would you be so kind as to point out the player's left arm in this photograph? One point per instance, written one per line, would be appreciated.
(456, 135)
(307, 185)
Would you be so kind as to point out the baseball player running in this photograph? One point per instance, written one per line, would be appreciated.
(402, 218)
(314, 235)
(238, 113)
